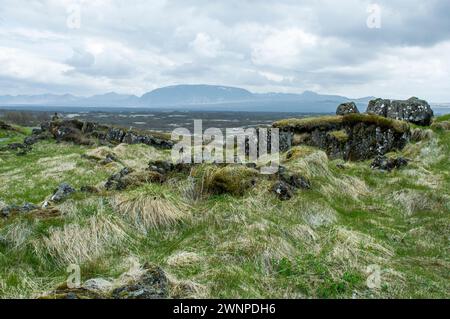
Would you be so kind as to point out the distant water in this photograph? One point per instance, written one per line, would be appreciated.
(441, 110)
(167, 120)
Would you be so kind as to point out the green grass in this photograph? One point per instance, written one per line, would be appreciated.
(319, 244)
(336, 122)
(442, 118)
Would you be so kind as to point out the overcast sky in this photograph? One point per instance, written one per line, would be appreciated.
(329, 46)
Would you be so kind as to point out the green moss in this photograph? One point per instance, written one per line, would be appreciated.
(309, 124)
(340, 135)
(232, 179)
(398, 126)
(336, 122)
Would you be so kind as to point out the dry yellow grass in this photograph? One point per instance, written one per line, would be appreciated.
(183, 258)
(145, 211)
(75, 243)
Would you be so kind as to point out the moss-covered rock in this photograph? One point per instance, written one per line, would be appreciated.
(232, 179)
(351, 137)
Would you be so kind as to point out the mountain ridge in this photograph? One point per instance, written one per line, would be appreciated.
(193, 96)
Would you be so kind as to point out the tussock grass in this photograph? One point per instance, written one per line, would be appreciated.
(414, 201)
(340, 135)
(317, 215)
(352, 249)
(137, 156)
(418, 134)
(230, 179)
(16, 234)
(186, 289)
(312, 165)
(147, 211)
(183, 258)
(99, 153)
(318, 244)
(75, 243)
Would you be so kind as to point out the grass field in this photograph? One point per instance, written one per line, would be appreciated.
(327, 242)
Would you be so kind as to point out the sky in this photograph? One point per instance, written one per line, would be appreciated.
(384, 48)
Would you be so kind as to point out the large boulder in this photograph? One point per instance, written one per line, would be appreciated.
(347, 108)
(350, 137)
(412, 110)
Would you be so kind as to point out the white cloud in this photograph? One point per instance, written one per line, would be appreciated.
(283, 45)
(204, 45)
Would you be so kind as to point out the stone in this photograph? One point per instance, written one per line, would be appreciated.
(62, 192)
(5, 126)
(283, 190)
(347, 108)
(295, 180)
(114, 181)
(8, 210)
(388, 164)
(115, 135)
(109, 158)
(84, 132)
(412, 110)
(159, 166)
(153, 284)
(165, 167)
(97, 285)
(353, 137)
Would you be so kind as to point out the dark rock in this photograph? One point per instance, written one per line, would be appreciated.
(45, 126)
(16, 146)
(109, 158)
(83, 133)
(159, 166)
(351, 137)
(153, 284)
(69, 131)
(412, 110)
(388, 164)
(165, 167)
(295, 180)
(284, 141)
(115, 135)
(347, 108)
(4, 126)
(132, 138)
(283, 190)
(34, 138)
(15, 209)
(115, 180)
(37, 131)
(138, 178)
(62, 192)
(341, 166)
(4, 242)
(27, 207)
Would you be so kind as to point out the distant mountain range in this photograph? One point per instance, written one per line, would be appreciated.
(195, 97)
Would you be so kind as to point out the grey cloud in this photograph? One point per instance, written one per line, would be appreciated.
(149, 44)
